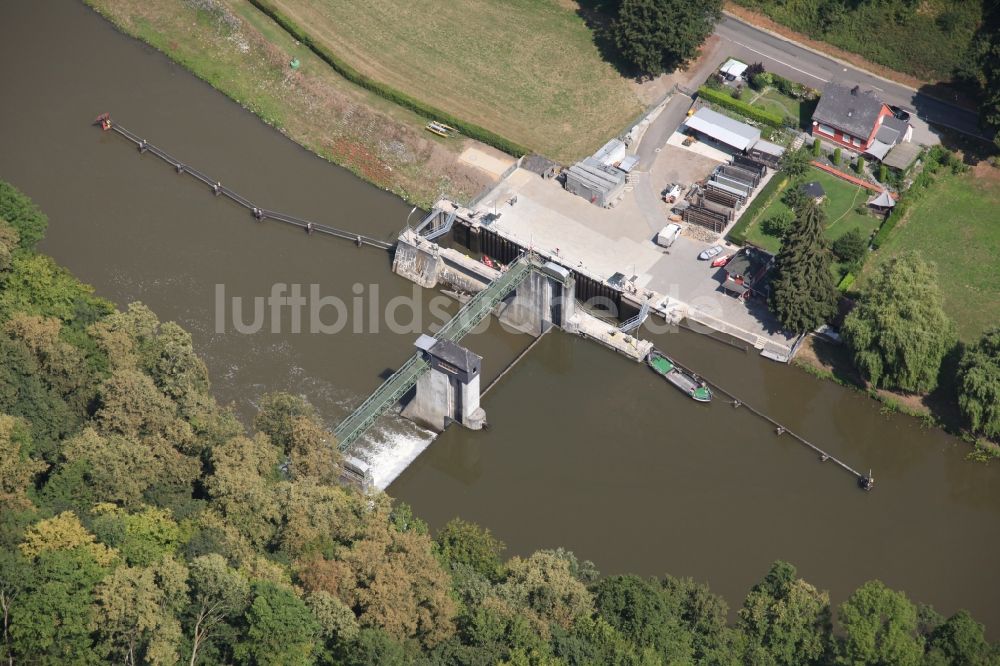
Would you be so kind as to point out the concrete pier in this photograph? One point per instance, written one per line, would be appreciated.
(449, 391)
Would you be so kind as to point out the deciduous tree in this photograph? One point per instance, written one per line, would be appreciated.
(545, 583)
(218, 594)
(979, 384)
(640, 611)
(280, 630)
(17, 469)
(657, 36)
(461, 542)
(880, 628)
(803, 295)
(136, 613)
(50, 622)
(899, 332)
(391, 580)
(786, 620)
(22, 214)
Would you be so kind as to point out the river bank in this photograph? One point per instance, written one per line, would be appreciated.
(241, 53)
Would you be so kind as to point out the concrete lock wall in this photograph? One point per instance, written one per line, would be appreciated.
(539, 302)
(422, 265)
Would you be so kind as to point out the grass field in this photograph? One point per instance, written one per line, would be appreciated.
(956, 224)
(841, 200)
(525, 69)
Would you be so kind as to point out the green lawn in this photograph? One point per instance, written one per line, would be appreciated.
(526, 69)
(841, 200)
(800, 111)
(956, 224)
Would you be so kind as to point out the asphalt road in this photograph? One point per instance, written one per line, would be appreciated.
(794, 62)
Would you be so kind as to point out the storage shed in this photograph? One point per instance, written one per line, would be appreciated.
(723, 129)
(593, 181)
(767, 152)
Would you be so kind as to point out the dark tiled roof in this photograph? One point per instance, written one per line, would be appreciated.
(456, 355)
(538, 164)
(814, 190)
(849, 109)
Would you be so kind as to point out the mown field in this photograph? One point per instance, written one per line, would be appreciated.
(525, 69)
(841, 200)
(956, 224)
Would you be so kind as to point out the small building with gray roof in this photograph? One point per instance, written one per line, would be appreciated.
(723, 129)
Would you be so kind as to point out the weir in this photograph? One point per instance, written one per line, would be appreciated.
(445, 374)
(404, 379)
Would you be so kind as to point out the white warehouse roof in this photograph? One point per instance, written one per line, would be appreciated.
(723, 128)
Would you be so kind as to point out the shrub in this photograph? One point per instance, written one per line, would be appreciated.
(890, 222)
(817, 148)
(761, 81)
(836, 156)
(754, 69)
(722, 99)
(851, 246)
(778, 224)
(883, 173)
(846, 282)
(736, 92)
(859, 166)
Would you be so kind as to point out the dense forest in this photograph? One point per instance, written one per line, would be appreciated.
(141, 522)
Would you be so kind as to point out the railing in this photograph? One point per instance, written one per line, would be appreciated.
(395, 387)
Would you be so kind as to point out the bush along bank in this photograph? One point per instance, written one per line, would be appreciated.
(387, 92)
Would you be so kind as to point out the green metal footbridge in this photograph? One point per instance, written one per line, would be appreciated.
(395, 387)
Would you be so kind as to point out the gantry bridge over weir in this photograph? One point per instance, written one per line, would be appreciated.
(400, 382)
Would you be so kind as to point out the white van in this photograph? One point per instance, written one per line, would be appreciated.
(668, 234)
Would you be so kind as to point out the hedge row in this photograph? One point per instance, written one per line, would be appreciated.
(427, 111)
(723, 99)
(738, 234)
(890, 222)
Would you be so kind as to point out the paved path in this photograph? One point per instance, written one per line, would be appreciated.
(801, 64)
(659, 130)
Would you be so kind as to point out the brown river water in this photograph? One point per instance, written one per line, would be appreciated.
(587, 450)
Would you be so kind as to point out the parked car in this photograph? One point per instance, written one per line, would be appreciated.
(668, 234)
(711, 252)
(900, 113)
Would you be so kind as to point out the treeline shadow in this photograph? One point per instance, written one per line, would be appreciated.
(599, 17)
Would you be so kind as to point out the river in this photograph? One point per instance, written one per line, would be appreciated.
(586, 450)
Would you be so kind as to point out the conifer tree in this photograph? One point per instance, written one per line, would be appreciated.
(803, 295)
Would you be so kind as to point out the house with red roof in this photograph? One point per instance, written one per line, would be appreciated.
(858, 120)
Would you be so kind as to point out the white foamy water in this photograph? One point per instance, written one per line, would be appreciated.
(390, 450)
